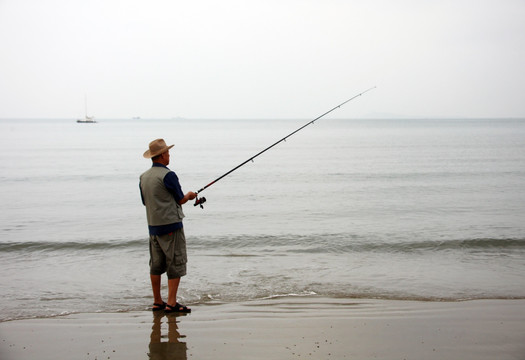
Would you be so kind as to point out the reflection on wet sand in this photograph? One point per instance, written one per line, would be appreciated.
(172, 348)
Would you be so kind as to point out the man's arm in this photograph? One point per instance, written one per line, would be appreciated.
(141, 196)
(171, 181)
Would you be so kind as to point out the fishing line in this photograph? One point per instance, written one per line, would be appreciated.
(202, 200)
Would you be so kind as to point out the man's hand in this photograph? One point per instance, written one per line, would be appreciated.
(189, 196)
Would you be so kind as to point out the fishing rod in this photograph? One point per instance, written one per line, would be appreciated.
(202, 200)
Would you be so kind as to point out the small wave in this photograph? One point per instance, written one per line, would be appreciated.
(303, 294)
(47, 246)
(444, 245)
(345, 243)
(356, 294)
(261, 245)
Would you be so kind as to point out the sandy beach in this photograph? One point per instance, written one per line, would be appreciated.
(281, 328)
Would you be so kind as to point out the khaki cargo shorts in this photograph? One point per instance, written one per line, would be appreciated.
(168, 254)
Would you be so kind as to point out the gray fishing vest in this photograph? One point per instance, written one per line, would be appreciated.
(161, 207)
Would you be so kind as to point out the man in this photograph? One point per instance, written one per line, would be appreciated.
(162, 195)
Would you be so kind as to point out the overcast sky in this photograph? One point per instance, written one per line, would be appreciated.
(262, 59)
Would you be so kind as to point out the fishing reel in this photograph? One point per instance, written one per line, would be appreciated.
(200, 201)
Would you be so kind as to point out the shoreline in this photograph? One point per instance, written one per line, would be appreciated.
(283, 328)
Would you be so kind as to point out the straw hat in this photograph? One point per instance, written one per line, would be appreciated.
(156, 147)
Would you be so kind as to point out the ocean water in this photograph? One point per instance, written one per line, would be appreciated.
(426, 209)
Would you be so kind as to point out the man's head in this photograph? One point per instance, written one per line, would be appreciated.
(158, 151)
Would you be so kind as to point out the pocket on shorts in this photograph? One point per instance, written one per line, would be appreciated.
(181, 256)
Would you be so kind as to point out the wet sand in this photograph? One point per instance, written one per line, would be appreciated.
(281, 328)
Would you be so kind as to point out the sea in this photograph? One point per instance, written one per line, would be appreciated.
(397, 209)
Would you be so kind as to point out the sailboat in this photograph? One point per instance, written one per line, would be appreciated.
(87, 119)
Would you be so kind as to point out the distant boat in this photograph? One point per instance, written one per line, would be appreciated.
(87, 119)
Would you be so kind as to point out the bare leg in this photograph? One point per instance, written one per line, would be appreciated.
(173, 287)
(155, 286)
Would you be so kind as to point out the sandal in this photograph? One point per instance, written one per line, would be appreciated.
(178, 308)
(158, 307)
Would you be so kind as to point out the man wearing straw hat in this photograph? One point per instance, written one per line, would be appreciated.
(162, 195)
